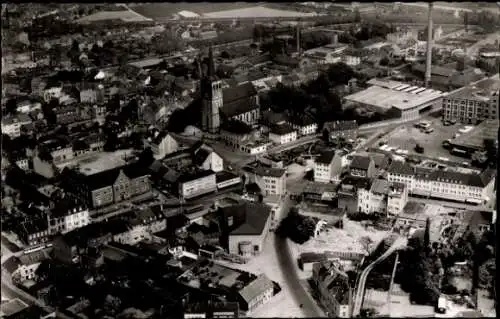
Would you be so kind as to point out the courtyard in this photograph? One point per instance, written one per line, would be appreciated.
(406, 137)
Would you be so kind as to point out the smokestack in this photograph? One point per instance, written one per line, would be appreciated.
(429, 48)
(298, 39)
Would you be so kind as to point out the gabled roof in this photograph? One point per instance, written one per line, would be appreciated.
(254, 217)
(256, 288)
(107, 178)
(326, 157)
(401, 168)
(360, 162)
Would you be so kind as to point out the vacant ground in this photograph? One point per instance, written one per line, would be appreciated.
(261, 12)
(407, 137)
(167, 9)
(282, 305)
(125, 15)
(334, 239)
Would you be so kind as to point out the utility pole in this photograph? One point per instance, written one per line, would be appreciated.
(389, 294)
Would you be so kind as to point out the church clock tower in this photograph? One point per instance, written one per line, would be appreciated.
(211, 94)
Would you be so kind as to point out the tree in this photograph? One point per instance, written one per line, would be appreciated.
(366, 242)
(146, 158)
(384, 61)
(427, 234)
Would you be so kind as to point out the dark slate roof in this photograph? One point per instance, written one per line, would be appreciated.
(302, 121)
(186, 177)
(269, 171)
(401, 168)
(326, 157)
(243, 91)
(359, 182)
(255, 218)
(107, 178)
(282, 129)
(436, 70)
(224, 176)
(360, 162)
(236, 127)
(200, 156)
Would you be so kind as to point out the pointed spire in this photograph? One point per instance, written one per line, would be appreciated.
(211, 67)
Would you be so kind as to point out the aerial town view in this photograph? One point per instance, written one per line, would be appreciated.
(249, 159)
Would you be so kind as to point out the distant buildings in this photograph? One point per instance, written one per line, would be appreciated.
(474, 103)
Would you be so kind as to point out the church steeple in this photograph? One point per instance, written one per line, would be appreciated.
(211, 66)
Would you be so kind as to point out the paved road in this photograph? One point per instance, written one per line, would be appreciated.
(360, 291)
(287, 265)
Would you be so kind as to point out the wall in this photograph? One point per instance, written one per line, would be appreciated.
(198, 187)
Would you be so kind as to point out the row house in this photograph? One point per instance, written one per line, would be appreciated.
(34, 231)
(67, 215)
(282, 134)
(110, 186)
(444, 184)
(349, 191)
(304, 126)
(328, 167)
(383, 197)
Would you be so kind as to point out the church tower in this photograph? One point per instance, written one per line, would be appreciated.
(211, 95)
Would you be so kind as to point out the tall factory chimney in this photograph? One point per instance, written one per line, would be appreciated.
(428, 62)
(298, 39)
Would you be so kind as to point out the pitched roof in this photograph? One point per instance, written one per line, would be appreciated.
(107, 178)
(237, 100)
(341, 126)
(269, 171)
(401, 168)
(256, 288)
(282, 129)
(360, 162)
(359, 182)
(326, 157)
(254, 217)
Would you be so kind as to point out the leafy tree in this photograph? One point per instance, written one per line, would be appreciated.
(366, 242)
(427, 234)
(296, 227)
(384, 61)
(146, 157)
(11, 106)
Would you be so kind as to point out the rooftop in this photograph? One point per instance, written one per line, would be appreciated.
(360, 162)
(326, 157)
(481, 90)
(269, 171)
(282, 129)
(12, 307)
(256, 288)
(191, 176)
(389, 95)
(255, 217)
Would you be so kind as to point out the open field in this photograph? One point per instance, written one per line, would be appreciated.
(125, 15)
(261, 12)
(407, 137)
(158, 11)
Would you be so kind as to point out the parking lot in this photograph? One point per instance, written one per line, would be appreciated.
(407, 137)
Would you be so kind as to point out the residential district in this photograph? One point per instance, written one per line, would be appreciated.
(226, 160)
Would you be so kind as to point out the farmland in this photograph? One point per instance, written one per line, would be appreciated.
(124, 15)
(256, 12)
(165, 11)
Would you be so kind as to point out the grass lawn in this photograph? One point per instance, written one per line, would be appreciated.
(166, 10)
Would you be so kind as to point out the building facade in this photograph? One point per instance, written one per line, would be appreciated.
(473, 103)
(327, 168)
(282, 134)
(197, 184)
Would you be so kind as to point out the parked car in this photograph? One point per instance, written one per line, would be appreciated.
(429, 130)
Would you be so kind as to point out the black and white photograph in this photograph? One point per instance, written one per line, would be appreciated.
(249, 159)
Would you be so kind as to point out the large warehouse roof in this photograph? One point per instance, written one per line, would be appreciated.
(389, 94)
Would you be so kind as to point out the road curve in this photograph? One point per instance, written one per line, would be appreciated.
(359, 294)
(287, 265)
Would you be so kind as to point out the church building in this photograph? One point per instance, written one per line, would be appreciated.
(221, 105)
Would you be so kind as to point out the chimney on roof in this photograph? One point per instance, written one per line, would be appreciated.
(428, 63)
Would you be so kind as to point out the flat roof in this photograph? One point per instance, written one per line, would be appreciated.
(387, 97)
(100, 162)
(479, 90)
(475, 137)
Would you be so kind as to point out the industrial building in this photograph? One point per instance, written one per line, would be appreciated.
(404, 99)
(473, 103)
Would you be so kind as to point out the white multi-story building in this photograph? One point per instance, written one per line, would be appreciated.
(328, 167)
(64, 218)
(471, 187)
(382, 197)
(282, 134)
(161, 143)
(12, 125)
(141, 226)
(197, 184)
(305, 126)
(473, 103)
(271, 181)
